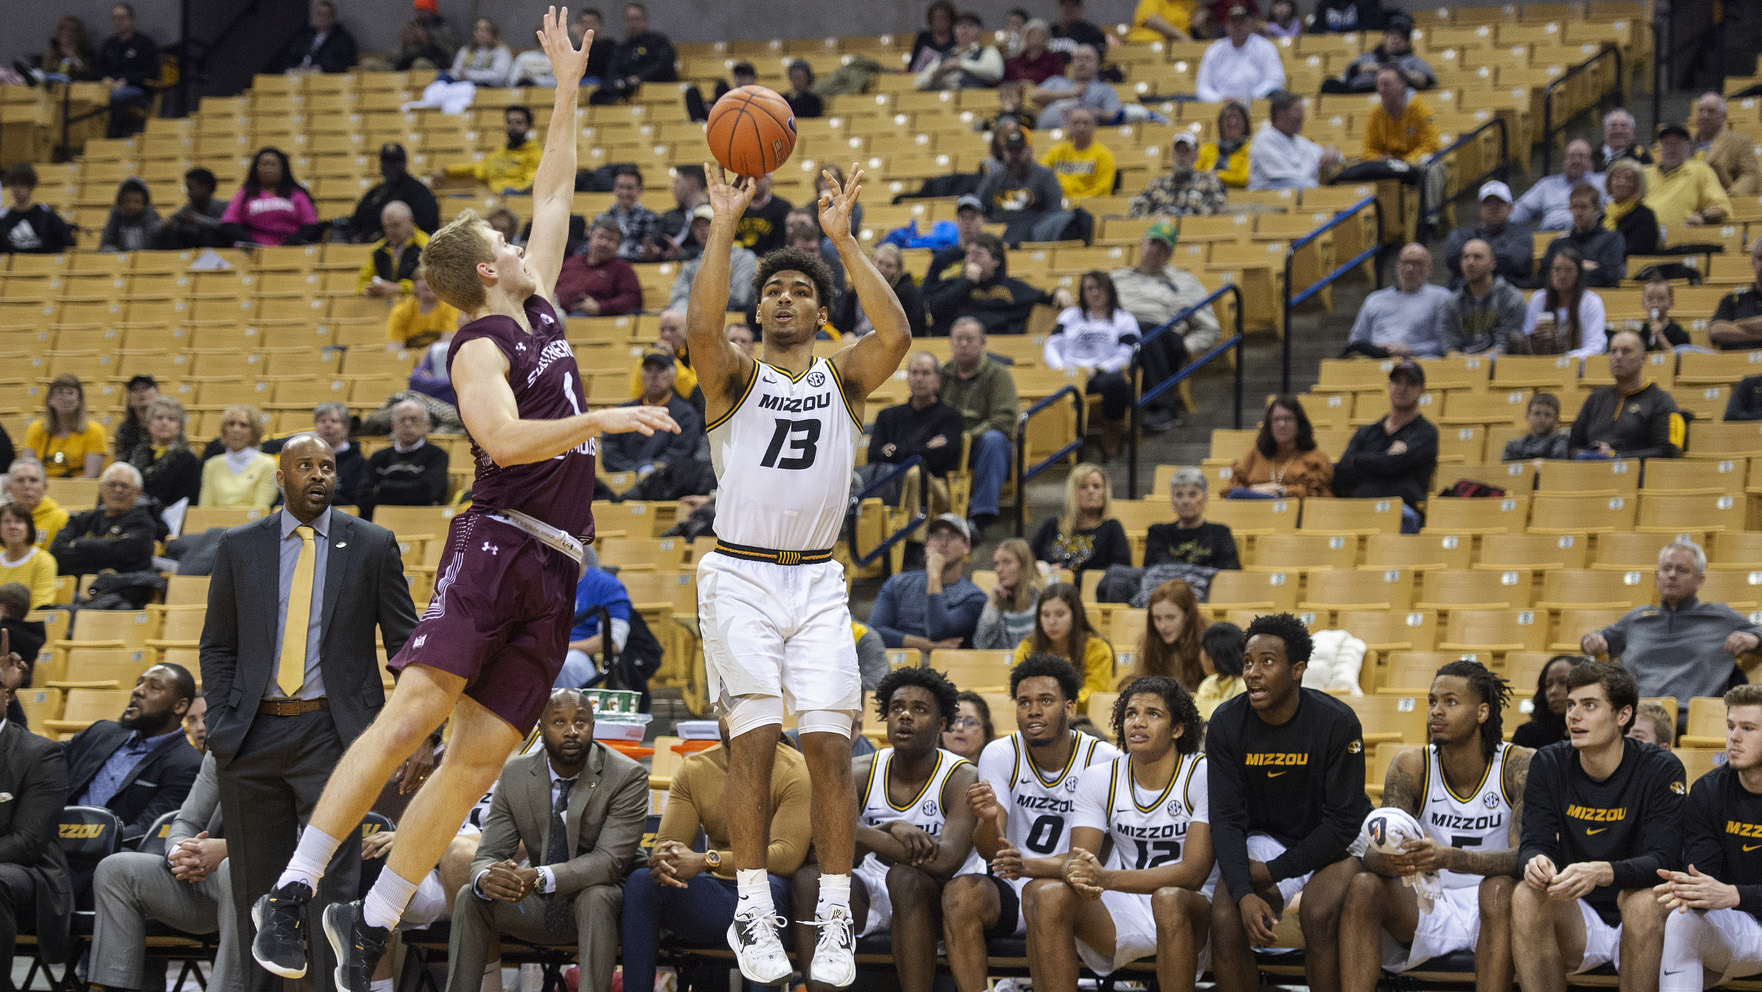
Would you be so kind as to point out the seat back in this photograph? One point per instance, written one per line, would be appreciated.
(155, 840)
(88, 835)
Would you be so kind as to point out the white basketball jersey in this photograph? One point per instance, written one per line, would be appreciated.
(1040, 809)
(1149, 830)
(1480, 821)
(924, 810)
(783, 455)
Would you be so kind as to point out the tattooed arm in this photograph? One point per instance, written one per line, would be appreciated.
(1403, 788)
(1517, 777)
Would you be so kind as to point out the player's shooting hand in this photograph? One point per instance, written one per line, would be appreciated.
(644, 420)
(836, 204)
(1258, 919)
(567, 62)
(983, 801)
(729, 196)
(377, 844)
(1539, 872)
(1007, 865)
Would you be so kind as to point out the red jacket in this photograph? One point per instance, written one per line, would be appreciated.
(612, 284)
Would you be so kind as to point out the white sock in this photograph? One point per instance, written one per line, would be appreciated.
(754, 890)
(311, 855)
(428, 904)
(834, 892)
(385, 902)
(380, 985)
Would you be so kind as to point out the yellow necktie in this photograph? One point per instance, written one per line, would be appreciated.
(291, 673)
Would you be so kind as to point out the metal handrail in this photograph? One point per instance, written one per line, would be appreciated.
(1291, 303)
(1666, 19)
(1426, 211)
(1182, 374)
(915, 461)
(1023, 473)
(1609, 48)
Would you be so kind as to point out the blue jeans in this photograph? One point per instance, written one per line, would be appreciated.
(700, 913)
(990, 459)
(1409, 520)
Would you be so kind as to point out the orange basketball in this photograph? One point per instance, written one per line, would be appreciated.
(751, 131)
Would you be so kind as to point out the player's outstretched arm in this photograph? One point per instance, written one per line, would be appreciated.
(872, 361)
(553, 189)
(721, 367)
(492, 415)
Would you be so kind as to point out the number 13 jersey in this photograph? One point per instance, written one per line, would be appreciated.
(783, 455)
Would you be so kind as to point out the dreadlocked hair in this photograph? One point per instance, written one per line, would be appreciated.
(1182, 710)
(927, 679)
(1489, 688)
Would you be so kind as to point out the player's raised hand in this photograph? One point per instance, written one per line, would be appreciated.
(983, 801)
(567, 62)
(836, 204)
(729, 195)
(644, 420)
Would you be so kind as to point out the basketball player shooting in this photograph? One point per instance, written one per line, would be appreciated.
(772, 603)
(495, 633)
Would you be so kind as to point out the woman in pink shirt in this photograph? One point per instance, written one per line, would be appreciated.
(271, 208)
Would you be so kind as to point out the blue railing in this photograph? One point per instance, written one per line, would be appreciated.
(1023, 472)
(923, 514)
(1428, 209)
(1293, 302)
(1192, 366)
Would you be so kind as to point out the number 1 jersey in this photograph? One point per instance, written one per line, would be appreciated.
(783, 455)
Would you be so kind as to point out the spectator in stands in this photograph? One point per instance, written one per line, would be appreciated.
(1627, 213)
(418, 49)
(1162, 20)
(764, 226)
(1072, 32)
(1037, 62)
(37, 886)
(950, 262)
(599, 56)
(1632, 418)
(411, 472)
(1084, 535)
(741, 336)
(26, 227)
(1565, 317)
(1402, 320)
(670, 338)
(1186, 189)
(1024, 195)
(1396, 52)
(511, 168)
(1401, 127)
(850, 318)
(1737, 322)
(1659, 331)
(1282, 20)
(271, 207)
(804, 103)
(1169, 646)
(923, 426)
(1682, 647)
(133, 224)
(644, 56)
(1084, 166)
(1618, 143)
(1221, 648)
(69, 56)
(1190, 539)
(1604, 252)
(598, 283)
(1347, 15)
(1731, 156)
(196, 723)
(1243, 66)
(65, 439)
(640, 226)
(1061, 629)
(689, 894)
(1281, 157)
(985, 394)
(27, 488)
(742, 263)
(598, 590)
(1653, 724)
(1545, 439)
(128, 62)
(1081, 86)
(243, 475)
(196, 224)
(936, 38)
(139, 765)
(803, 234)
(1513, 248)
(937, 607)
(970, 64)
(325, 45)
(689, 193)
(142, 391)
(985, 292)
(570, 892)
(1395, 456)
(1227, 155)
(170, 471)
(420, 319)
(395, 184)
(643, 455)
(1154, 291)
(330, 421)
(485, 61)
(431, 377)
(22, 561)
(1012, 109)
(1283, 461)
(1547, 722)
(1013, 602)
(1098, 335)
(1680, 190)
(1484, 312)
(389, 271)
(117, 536)
(1548, 204)
(971, 729)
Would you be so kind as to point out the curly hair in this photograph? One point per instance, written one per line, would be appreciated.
(1490, 689)
(1047, 666)
(796, 260)
(928, 679)
(1182, 710)
(1286, 627)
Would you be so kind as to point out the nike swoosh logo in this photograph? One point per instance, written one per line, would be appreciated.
(1599, 830)
(1276, 774)
(1751, 847)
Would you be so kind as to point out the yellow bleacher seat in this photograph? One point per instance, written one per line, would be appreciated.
(108, 628)
(975, 671)
(1263, 591)
(103, 667)
(1715, 368)
(1490, 515)
(1422, 552)
(1283, 552)
(1254, 516)
(41, 705)
(1698, 761)
(1629, 550)
(1376, 770)
(1617, 477)
(1575, 587)
(1735, 548)
(1578, 621)
(200, 518)
(1387, 630)
(1533, 551)
(1390, 719)
(1484, 589)
(1555, 513)
(1740, 589)
(1706, 718)
(1523, 669)
(1351, 516)
(1693, 476)
(1673, 513)
(643, 553)
(1496, 631)
(85, 707)
(1358, 588)
(1410, 673)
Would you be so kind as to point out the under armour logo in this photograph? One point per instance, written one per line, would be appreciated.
(491, 548)
(520, 347)
(419, 641)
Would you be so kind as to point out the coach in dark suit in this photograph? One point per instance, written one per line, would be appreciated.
(283, 707)
(141, 766)
(33, 872)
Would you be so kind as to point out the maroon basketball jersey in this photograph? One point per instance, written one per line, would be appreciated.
(547, 386)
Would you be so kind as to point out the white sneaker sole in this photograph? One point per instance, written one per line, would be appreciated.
(752, 976)
(272, 968)
(843, 980)
(337, 942)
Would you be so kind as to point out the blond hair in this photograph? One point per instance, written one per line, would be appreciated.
(1067, 521)
(451, 259)
(252, 416)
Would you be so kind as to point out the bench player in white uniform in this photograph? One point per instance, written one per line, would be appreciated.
(1025, 801)
(1466, 790)
(772, 604)
(914, 822)
(1152, 897)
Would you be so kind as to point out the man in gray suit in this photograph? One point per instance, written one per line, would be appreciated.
(551, 802)
(34, 882)
(282, 707)
(187, 887)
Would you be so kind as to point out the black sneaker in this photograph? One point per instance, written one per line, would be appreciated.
(280, 918)
(358, 947)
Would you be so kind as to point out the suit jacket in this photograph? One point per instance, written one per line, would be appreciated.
(157, 785)
(1733, 159)
(605, 825)
(33, 788)
(364, 587)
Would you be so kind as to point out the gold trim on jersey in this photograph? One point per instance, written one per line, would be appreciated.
(887, 785)
(838, 381)
(1187, 786)
(1018, 742)
(1432, 750)
(1132, 784)
(772, 555)
(785, 372)
(752, 381)
(1502, 752)
(869, 779)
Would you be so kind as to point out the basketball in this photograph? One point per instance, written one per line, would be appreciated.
(751, 131)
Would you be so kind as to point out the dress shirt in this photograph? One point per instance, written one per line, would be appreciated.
(1277, 160)
(1548, 204)
(121, 762)
(313, 686)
